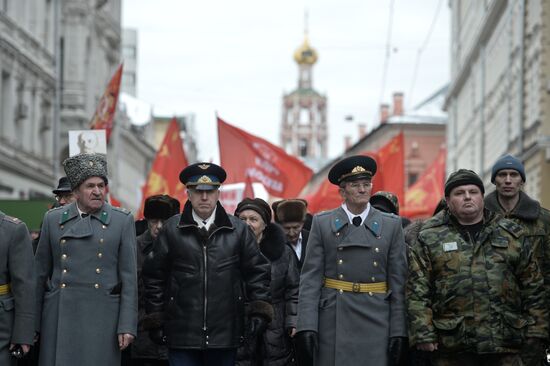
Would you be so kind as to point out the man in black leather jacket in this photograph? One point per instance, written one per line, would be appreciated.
(203, 267)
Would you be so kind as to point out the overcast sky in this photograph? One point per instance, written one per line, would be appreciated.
(236, 58)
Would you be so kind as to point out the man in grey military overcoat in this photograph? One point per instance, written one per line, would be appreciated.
(86, 273)
(351, 308)
(16, 288)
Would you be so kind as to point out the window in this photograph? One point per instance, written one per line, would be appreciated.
(302, 147)
(413, 177)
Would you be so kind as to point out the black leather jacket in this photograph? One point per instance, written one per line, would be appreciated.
(194, 281)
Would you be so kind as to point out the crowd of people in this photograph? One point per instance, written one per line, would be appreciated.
(272, 285)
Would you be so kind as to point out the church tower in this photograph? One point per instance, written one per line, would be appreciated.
(304, 121)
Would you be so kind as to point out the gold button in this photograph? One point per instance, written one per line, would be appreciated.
(64, 270)
(98, 270)
(340, 261)
(64, 256)
(340, 248)
(63, 241)
(101, 240)
(62, 227)
(376, 250)
(373, 279)
(96, 285)
(105, 227)
(63, 285)
(341, 291)
(340, 276)
(370, 293)
(99, 255)
(338, 234)
(375, 264)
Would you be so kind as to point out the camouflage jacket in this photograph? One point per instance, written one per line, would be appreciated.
(484, 295)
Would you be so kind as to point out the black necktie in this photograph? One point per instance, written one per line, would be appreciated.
(356, 220)
(84, 215)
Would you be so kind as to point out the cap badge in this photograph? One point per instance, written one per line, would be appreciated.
(91, 163)
(204, 166)
(204, 179)
(358, 169)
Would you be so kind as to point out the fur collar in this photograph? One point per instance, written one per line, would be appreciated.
(221, 219)
(273, 242)
(526, 209)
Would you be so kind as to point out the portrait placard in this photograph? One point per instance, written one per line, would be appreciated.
(87, 141)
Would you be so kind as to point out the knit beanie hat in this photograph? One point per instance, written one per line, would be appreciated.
(508, 162)
(462, 177)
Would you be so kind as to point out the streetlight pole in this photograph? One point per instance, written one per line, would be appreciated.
(57, 98)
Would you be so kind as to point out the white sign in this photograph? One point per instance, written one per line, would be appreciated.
(87, 142)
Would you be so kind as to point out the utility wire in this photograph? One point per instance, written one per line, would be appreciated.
(422, 48)
(388, 53)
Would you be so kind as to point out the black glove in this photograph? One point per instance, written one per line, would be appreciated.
(157, 336)
(532, 352)
(306, 347)
(256, 327)
(397, 346)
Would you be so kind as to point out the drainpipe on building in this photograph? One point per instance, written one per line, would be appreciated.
(57, 98)
(521, 76)
(482, 109)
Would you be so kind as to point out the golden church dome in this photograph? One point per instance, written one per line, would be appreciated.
(305, 54)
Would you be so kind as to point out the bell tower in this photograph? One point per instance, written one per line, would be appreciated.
(304, 119)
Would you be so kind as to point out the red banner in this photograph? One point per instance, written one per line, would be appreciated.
(424, 195)
(243, 154)
(164, 175)
(106, 109)
(390, 175)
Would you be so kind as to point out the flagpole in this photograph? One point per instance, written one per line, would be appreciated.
(57, 99)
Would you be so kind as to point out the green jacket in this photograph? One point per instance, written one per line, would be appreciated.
(484, 295)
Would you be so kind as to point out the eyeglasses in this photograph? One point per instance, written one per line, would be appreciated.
(64, 197)
(358, 185)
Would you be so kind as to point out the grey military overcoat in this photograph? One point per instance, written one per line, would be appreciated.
(353, 328)
(86, 286)
(17, 306)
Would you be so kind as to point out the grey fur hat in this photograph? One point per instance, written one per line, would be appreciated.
(83, 166)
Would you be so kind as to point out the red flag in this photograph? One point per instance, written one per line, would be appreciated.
(105, 112)
(243, 154)
(164, 175)
(327, 197)
(248, 188)
(390, 175)
(424, 195)
(114, 201)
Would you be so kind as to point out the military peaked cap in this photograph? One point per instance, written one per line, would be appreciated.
(352, 168)
(203, 176)
(83, 166)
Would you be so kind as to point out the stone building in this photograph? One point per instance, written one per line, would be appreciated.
(499, 97)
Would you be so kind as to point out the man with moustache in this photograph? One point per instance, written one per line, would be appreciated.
(475, 292)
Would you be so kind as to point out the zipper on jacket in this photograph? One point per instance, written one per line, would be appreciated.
(204, 328)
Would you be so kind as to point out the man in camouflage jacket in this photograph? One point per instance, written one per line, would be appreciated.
(475, 289)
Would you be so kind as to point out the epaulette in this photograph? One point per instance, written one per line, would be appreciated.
(13, 220)
(390, 215)
(55, 208)
(121, 209)
(510, 226)
(323, 213)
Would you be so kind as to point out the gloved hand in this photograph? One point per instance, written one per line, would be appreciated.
(397, 346)
(532, 352)
(157, 336)
(306, 347)
(256, 327)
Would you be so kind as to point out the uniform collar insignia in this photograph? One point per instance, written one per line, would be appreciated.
(374, 227)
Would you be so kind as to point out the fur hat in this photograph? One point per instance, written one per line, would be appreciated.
(83, 166)
(293, 210)
(160, 206)
(255, 204)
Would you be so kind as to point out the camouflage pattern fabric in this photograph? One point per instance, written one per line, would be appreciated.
(483, 295)
(472, 359)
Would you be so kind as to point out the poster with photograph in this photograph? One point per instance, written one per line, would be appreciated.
(87, 141)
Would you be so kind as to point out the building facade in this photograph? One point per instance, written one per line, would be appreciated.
(304, 129)
(130, 57)
(498, 100)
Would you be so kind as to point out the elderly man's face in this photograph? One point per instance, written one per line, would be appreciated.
(292, 230)
(203, 202)
(154, 226)
(90, 194)
(466, 203)
(356, 193)
(508, 183)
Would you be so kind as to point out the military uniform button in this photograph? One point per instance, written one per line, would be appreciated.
(61, 227)
(340, 276)
(341, 291)
(98, 270)
(101, 240)
(373, 279)
(63, 285)
(340, 248)
(376, 250)
(340, 261)
(375, 264)
(105, 227)
(370, 293)
(99, 255)
(96, 285)
(63, 241)
(64, 256)
(64, 270)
